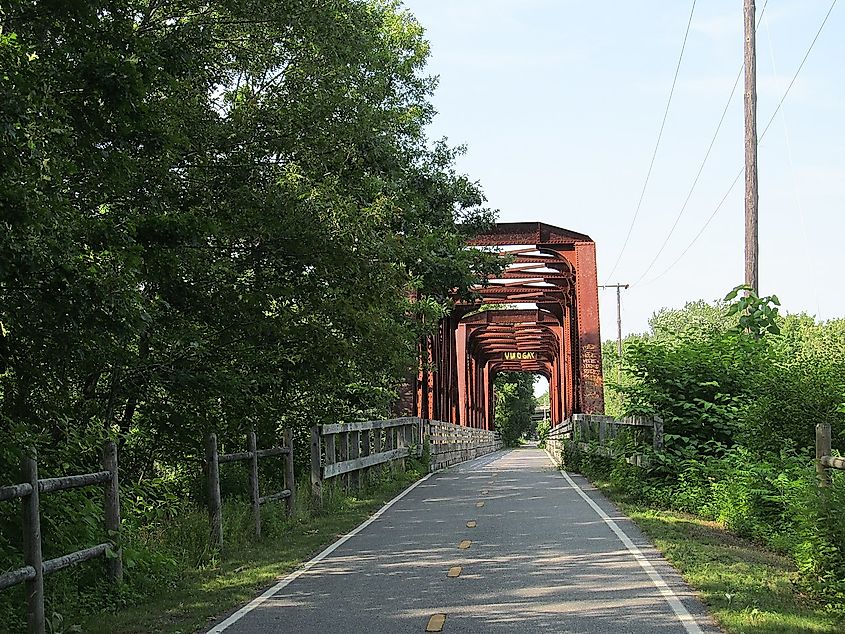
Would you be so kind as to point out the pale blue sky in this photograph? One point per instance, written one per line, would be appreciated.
(560, 102)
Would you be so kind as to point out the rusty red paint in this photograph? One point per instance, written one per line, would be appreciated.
(553, 268)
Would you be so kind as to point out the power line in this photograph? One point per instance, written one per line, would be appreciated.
(657, 144)
(762, 135)
(706, 224)
(701, 167)
(796, 190)
(694, 183)
(800, 66)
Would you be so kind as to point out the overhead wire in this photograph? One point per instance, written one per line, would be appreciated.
(795, 189)
(700, 167)
(759, 140)
(656, 145)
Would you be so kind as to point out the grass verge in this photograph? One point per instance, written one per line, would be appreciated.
(203, 593)
(748, 589)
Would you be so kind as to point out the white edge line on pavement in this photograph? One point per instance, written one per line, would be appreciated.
(672, 599)
(249, 607)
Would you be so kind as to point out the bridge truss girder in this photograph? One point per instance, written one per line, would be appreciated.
(554, 271)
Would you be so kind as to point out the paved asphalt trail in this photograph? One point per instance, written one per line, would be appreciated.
(541, 559)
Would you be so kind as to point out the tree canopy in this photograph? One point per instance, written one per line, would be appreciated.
(218, 215)
(214, 216)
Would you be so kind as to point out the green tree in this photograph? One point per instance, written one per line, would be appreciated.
(214, 216)
(514, 405)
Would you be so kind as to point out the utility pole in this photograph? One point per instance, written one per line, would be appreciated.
(618, 288)
(751, 196)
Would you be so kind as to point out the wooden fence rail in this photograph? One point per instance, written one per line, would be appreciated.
(591, 432)
(214, 459)
(35, 568)
(349, 450)
(824, 460)
(450, 444)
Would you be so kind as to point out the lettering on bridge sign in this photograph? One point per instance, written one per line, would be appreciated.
(509, 356)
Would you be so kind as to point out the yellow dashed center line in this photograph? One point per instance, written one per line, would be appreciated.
(454, 571)
(471, 524)
(435, 623)
(466, 543)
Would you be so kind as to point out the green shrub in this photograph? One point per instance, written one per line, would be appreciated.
(543, 428)
(740, 390)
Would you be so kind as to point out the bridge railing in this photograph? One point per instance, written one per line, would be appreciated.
(593, 433)
(556, 440)
(349, 450)
(450, 444)
(345, 452)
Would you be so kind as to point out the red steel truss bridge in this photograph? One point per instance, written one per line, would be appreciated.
(549, 325)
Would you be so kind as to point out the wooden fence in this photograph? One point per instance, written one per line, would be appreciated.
(35, 569)
(450, 444)
(591, 432)
(349, 450)
(824, 460)
(213, 460)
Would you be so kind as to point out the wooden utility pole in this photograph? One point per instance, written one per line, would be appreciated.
(618, 288)
(751, 195)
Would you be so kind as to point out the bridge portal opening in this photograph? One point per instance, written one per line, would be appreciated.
(515, 405)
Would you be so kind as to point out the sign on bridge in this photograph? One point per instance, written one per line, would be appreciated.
(519, 355)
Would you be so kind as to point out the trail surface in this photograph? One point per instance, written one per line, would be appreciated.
(545, 552)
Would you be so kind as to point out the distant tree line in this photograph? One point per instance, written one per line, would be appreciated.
(515, 404)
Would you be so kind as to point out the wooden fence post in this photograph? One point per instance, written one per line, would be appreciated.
(401, 442)
(378, 440)
(252, 448)
(354, 454)
(365, 451)
(823, 447)
(427, 432)
(390, 444)
(290, 485)
(112, 509)
(215, 514)
(343, 455)
(316, 479)
(32, 547)
(657, 441)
